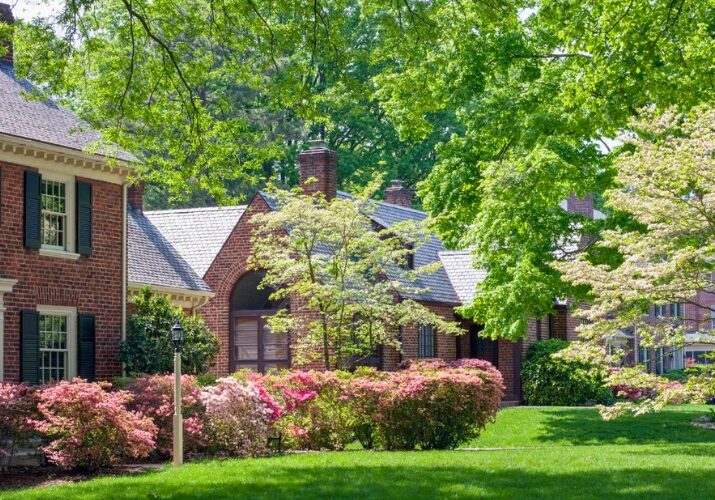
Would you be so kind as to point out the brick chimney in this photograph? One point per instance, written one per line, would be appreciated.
(7, 18)
(576, 205)
(398, 194)
(135, 196)
(320, 163)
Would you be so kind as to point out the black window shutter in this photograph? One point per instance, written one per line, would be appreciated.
(32, 209)
(30, 345)
(84, 218)
(85, 346)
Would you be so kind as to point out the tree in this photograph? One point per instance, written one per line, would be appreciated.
(217, 97)
(148, 348)
(514, 97)
(537, 87)
(666, 183)
(348, 281)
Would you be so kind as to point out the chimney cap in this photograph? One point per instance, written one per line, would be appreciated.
(317, 144)
(397, 183)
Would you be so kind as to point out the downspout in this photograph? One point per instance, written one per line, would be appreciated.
(124, 267)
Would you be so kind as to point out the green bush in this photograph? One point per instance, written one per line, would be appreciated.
(549, 380)
(148, 348)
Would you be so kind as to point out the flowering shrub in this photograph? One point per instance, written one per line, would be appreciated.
(317, 414)
(91, 427)
(430, 404)
(239, 417)
(18, 405)
(634, 384)
(153, 397)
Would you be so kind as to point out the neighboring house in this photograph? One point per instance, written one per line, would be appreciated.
(699, 338)
(61, 240)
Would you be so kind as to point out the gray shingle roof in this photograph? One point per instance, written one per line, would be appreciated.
(44, 121)
(461, 272)
(152, 260)
(197, 234)
(436, 286)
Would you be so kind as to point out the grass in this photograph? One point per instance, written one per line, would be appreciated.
(532, 452)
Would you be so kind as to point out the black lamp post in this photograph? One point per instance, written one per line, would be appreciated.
(177, 337)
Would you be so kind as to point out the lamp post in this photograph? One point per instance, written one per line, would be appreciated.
(177, 337)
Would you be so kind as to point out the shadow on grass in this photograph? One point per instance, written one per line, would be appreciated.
(585, 427)
(279, 479)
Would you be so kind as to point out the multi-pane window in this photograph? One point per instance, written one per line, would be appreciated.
(54, 347)
(661, 310)
(54, 214)
(676, 310)
(425, 341)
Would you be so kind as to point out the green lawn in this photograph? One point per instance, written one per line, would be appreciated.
(532, 452)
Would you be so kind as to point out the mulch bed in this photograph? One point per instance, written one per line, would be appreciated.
(26, 477)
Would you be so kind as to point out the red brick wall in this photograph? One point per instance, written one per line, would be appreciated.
(228, 267)
(91, 284)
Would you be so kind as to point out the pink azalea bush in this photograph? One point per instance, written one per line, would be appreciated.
(18, 406)
(239, 417)
(316, 415)
(91, 427)
(153, 397)
(432, 404)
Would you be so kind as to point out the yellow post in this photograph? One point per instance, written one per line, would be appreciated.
(178, 418)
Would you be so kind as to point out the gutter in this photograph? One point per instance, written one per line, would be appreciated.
(124, 265)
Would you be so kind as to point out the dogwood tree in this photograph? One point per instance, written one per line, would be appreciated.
(666, 182)
(349, 280)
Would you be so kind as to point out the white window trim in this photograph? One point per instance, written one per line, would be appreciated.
(6, 286)
(71, 314)
(70, 237)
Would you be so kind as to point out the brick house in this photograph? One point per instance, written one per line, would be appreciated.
(62, 248)
(216, 244)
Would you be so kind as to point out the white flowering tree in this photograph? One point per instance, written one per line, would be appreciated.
(665, 253)
(348, 279)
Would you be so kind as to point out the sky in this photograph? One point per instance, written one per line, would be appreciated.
(27, 9)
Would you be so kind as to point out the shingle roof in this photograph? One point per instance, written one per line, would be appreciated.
(197, 234)
(436, 286)
(44, 121)
(461, 272)
(152, 260)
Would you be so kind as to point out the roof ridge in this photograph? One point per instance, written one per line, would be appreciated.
(465, 251)
(195, 209)
(381, 202)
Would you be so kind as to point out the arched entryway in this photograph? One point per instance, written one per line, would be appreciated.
(253, 344)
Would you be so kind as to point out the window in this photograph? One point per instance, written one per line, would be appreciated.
(676, 310)
(697, 358)
(643, 355)
(660, 360)
(57, 224)
(57, 356)
(425, 341)
(54, 214)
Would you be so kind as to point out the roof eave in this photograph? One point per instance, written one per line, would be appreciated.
(38, 154)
